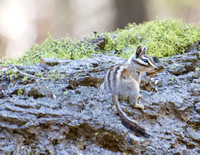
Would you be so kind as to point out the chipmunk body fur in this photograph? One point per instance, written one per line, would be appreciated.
(123, 81)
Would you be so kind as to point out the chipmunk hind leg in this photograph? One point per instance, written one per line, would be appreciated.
(115, 101)
(133, 100)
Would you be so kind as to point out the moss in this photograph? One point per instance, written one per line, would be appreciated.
(162, 38)
(20, 92)
(60, 48)
(25, 78)
(197, 69)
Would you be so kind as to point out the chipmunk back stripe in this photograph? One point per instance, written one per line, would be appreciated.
(115, 77)
(120, 74)
(107, 81)
(108, 78)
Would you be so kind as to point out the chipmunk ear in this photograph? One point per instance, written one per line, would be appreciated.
(136, 54)
(144, 50)
(138, 51)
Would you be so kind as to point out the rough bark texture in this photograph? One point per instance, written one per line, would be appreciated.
(63, 112)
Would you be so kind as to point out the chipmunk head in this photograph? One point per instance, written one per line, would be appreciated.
(141, 61)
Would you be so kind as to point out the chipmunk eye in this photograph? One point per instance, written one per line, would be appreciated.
(145, 60)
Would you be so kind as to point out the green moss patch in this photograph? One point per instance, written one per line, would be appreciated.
(162, 38)
(60, 48)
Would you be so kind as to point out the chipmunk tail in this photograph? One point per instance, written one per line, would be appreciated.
(130, 124)
(134, 127)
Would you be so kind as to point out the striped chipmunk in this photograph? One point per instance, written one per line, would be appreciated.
(123, 81)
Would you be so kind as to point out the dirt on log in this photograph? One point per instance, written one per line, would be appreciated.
(57, 108)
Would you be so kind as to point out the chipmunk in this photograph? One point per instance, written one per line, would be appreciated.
(123, 81)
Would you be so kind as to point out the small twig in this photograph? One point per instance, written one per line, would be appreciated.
(32, 75)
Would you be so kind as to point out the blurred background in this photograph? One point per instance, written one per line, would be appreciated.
(26, 22)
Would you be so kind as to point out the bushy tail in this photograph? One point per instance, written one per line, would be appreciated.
(129, 123)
